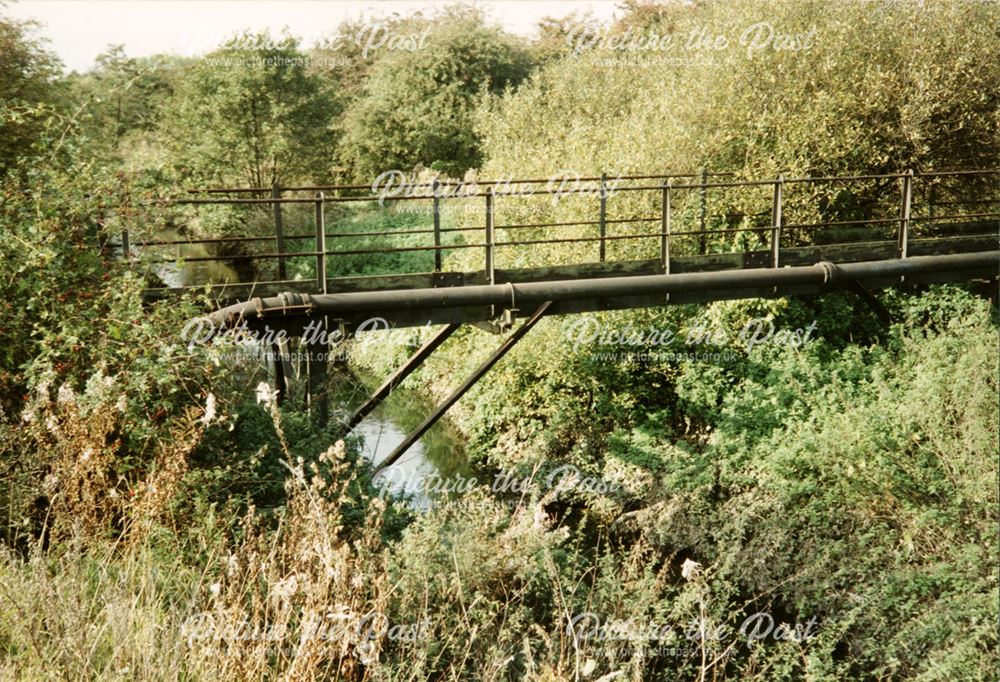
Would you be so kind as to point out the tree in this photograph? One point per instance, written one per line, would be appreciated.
(28, 90)
(555, 35)
(347, 56)
(249, 112)
(808, 86)
(417, 105)
(123, 94)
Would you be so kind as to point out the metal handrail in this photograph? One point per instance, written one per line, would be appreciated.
(594, 178)
(445, 182)
(544, 192)
(602, 193)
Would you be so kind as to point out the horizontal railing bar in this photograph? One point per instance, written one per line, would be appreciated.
(248, 256)
(956, 216)
(383, 200)
(524, 181)
(572, 223)
(377, 234)
(835, 178)
(218, 240)
(957, 237)
(181, 242)
(256, 256)
(226, 190)
(707, 185)
(247, 190)
(988, 171)
(958, 203)
(462, 229)
(475, 195)
(837, 223)
(727, 230)
(233, 284)
(615, 190)
(631, 220)
(581, 239)
(530, 181)
(471, 195)
(393, 232)
(443, 247)
(494, 183)
(269, 200)
(448, 183)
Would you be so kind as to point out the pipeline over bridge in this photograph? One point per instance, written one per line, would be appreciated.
(713, 238)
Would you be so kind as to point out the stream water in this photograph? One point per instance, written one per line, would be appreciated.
(183, 273)
(439, 455)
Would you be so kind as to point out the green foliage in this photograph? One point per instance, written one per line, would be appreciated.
(251, 113)
(122, 96)
(29, 90)
(863, 97)
(347, 55)
(416, 107)
(850, 478)
(848, 483)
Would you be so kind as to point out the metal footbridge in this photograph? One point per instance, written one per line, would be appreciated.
(647, 240)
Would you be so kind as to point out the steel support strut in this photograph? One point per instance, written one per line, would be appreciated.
(871, 300)
(282, 369)
(511, 341)
(397, 377)
(316, 397)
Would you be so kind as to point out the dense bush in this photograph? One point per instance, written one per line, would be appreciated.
(416, 107)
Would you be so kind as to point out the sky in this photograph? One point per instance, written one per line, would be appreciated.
(79, 30)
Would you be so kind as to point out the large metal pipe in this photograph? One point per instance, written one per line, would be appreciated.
(982, 264)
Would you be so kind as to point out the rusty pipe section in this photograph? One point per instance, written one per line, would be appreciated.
(524, 295)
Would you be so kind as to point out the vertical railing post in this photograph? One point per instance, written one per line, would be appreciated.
(904, 214)
(126, 248)
(490, 236)
(776, 222)
(320, 244)
(703, 214)
(665, 228)
(437, 226)
(279, 232)
(602, 220)
(317, 348)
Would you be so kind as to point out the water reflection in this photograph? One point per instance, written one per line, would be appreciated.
(184, 273)
(440, 452)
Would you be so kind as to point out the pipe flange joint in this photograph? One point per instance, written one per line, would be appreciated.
(831, 273)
